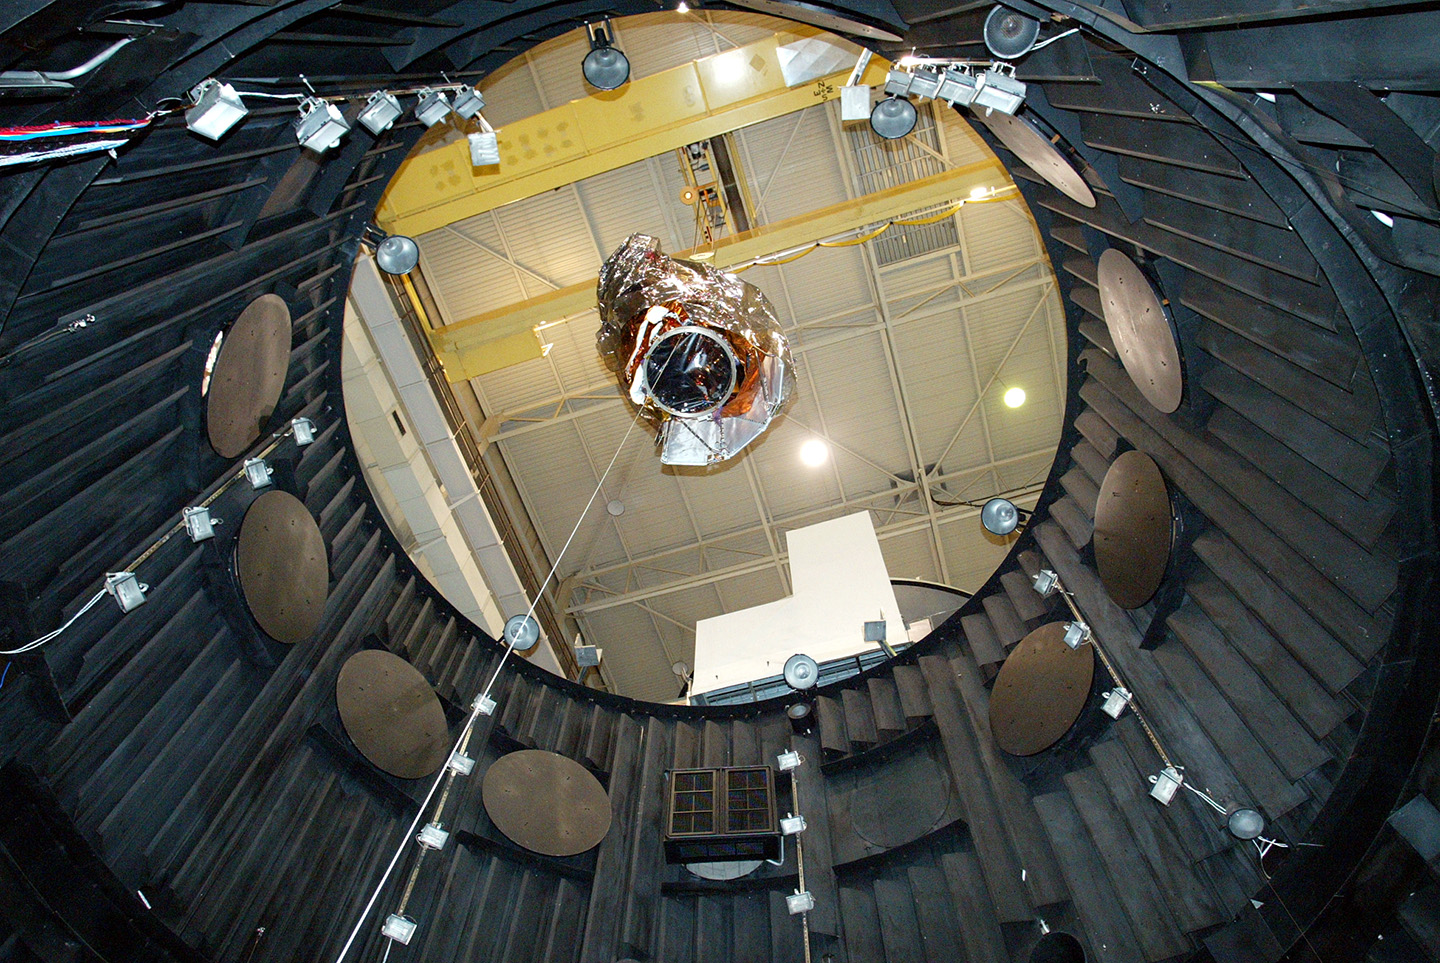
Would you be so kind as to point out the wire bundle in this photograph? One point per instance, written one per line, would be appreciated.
(24, 145)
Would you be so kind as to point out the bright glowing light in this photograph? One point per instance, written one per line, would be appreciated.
(978, 192)
(732, 67)
(1015, 397)
(909, 60)
(814, 452)
(683, 7)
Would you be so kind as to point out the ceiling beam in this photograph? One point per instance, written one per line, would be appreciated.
(606, 131)
(558, 409)
(1025, 498)
(717, 542)
(506, 335)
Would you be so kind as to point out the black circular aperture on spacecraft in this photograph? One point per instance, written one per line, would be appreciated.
(690, 371)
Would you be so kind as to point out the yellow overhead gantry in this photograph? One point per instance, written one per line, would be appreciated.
(647, 117)
(606, 131)
(506, 335)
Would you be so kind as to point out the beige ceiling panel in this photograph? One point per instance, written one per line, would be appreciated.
(622, 202)
(962, 142)
(971, 553)
(909, 282)
(908, 556)
(463, 277)
(852, 381)
(511, 95)
(791, 164)
(821, 284)
(721, 500)
(788, 486)
(548, 234)
(518, 387)
(635, 659)
(997, 234)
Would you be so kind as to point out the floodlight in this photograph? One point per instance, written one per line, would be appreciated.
(1166, 784)
(216, 107)
(1115, 701)
(995, 90)
(802, 717)
(854, 102)
(381, 110)
(304, 430)
(792, 825)
(129, 592)
(957, 87)
(1009, 34)
(1076, 633)
(484, 148)
(897, 83)
(460, 764)
(397, 254)
(588, 656)
(468, 102)
(800, 902)
(433, 106)
(432, 836)
(398, 928)
(484, 705)
(522, 632)
(1245, 824)
(788, 761)
(258, 473)
(320, 125)
(1046, 582)
(1000, 516)
(893, 118)
(198, 523)
(924, 84)
(604, 67)
(875, 631)
(801, 672)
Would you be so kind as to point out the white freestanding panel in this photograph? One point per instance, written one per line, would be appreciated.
(840, 583)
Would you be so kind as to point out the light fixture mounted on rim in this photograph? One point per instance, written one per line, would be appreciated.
(605, 67)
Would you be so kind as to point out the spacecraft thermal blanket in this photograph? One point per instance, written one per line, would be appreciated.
(699, 351)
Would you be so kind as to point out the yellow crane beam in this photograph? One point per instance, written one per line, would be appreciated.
(605, 131)
(507, 335)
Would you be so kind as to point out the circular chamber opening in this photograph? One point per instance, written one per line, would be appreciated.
(926, 356)
(691, 371)
(1057, 947)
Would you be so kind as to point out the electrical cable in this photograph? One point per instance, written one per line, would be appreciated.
(475, 712)
(861, 235)
(4, 674)
(48, 636)
(154, 547)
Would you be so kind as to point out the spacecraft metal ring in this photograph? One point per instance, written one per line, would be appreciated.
(642, 372)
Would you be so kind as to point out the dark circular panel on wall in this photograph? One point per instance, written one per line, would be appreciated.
(1041, 689)
(1134, 529)
(284, 574)
(1027, 143)
(546, 803)
(392, 715)
(249, 375)
(908, 800)
(1141, 329)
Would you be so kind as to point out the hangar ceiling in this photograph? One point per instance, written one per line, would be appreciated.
(906, 345)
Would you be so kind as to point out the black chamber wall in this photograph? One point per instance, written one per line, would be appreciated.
(204, 765)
